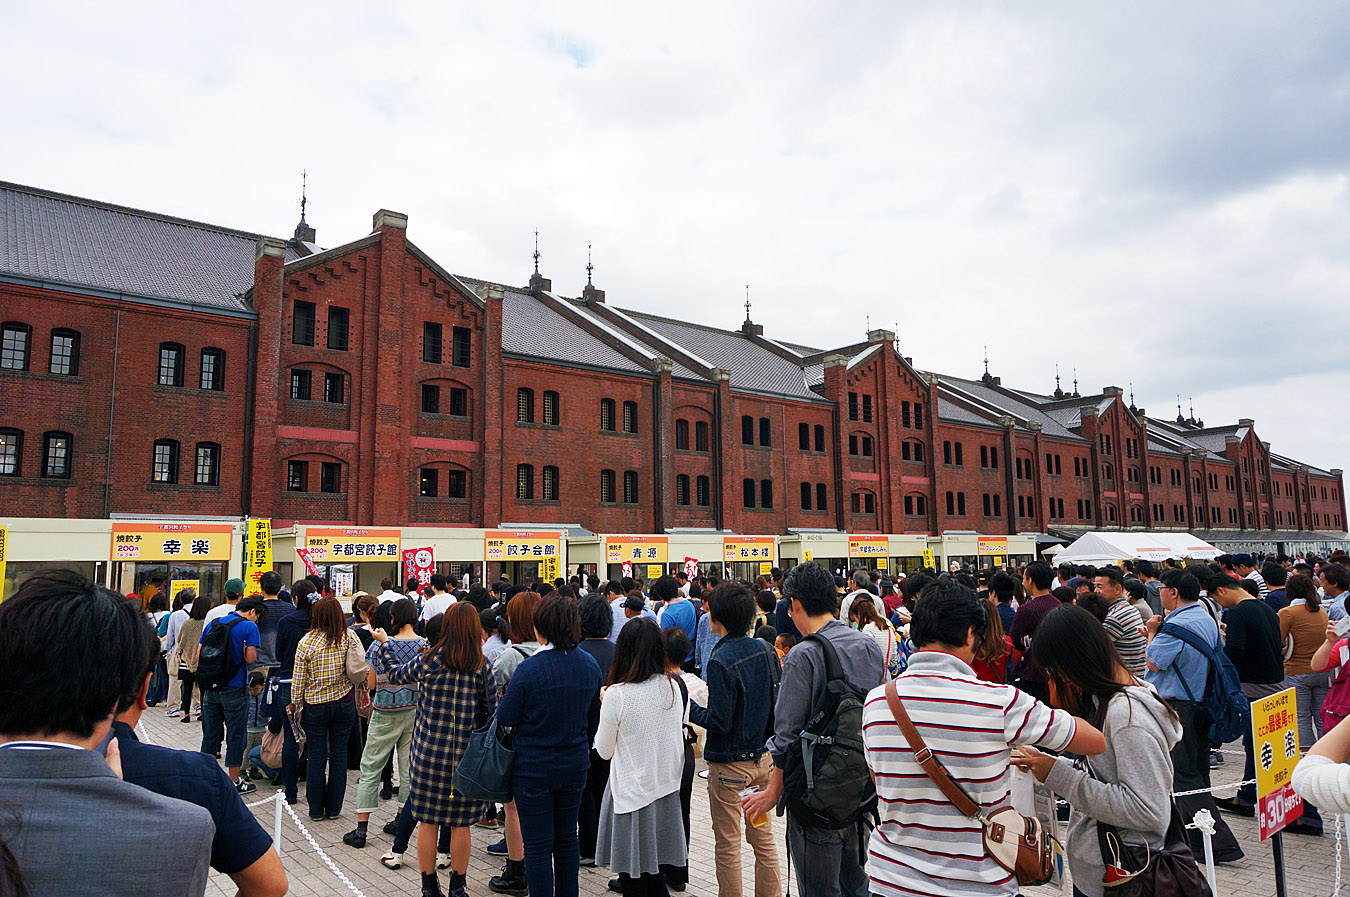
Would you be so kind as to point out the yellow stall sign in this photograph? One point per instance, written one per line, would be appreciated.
(352, 545)
(748, 548)
(549, 568)
(1275, 737)
(637, 549)
(868, 546)
(512, 545)
(928, 558)
(171, 542)
(991, 545)
(178, 585)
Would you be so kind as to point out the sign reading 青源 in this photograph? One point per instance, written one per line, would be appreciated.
(636, 549)
(160, 542)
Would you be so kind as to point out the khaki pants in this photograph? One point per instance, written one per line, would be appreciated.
(725, 782)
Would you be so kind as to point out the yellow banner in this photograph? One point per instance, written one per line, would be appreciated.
(171, 541)
(928, 558)
(987, 545)
(765, 568)
(748, 548)
(4, 553)
(655, 571)
(636, 549)
(509, 545)
(257, 553)
(178, 585)
(868, 546)
(549, 568)
(352, 545)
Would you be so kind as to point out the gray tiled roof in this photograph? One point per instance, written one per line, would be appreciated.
(529, 327)
(950, 411)
(68, 240)
(1014, 405)
(751, 366)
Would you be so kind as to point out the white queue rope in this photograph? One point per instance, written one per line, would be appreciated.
(327, 861)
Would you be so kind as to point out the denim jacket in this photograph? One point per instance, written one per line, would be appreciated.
(742, 677)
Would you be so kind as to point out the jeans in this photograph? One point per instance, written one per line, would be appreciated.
(225, 716)
(185, 682)
(255, 759)
(1310, 691)
(725, 782)
(159, 683)
(548, 809)
(390, 731)
(1190, 771)
(326, 729)
(827, 861)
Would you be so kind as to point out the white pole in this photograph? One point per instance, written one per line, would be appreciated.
(276, 822)
(1205, 823)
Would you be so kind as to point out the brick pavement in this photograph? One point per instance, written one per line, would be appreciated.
(1310, 861)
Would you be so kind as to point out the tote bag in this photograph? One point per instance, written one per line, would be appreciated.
(484, 771)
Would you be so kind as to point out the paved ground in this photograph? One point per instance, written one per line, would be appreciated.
(1310, 861)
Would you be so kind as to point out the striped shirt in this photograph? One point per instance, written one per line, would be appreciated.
(1128, 634)
(1256, 577)
(924, 845)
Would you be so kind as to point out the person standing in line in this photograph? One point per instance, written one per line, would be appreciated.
(553, 703)
(1036, 580)
(225, 706)
(391, 718)
(440, 599)
(641, 734)
(1002, 586)
(678, 611)
(691, 688)
(827, 861)
(321, 688)
(862, 616)
(1276, 577)
(290, 630)
(187, 647)
(455, 695)
(1335, 581)
(387, 591)
(1122, 620)
(1245, 568)
(274, 611)
(742, 675)
(1177, 672)
(596, 621)
(862, 588)
(234, 590)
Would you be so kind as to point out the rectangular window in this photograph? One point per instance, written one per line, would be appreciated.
(606, 487)
(822, 497)
(339, 320)
(747, 430)
(550, 483)
(988, 505)
(918, 415)
(165, 468)
(766, 433)
(524, 406)
(431, 342)
(551, 408)
(630, 487)
(806, 496)
(855, 503)
(213, 369)
(682, 490)
(330, 475)
(459, 347)
(682, 435)
(456, 484)
(984, 456)
(703, 491)
(820, 438)
(867, 407)
(459, 402)
(766, 493)
(869, 503)
(853, 406)
(170, 364)
(959, 461)
(297, 476)
(607, 415)
(993, 457)
(14, 347)
(333, 388)
(701, 436)
(804, 436)
(525, 481)
(748, 493)
(431, 398)
(630, 417)
(300, 384)
(904, 451)
(208, 464)
(65, 358)
(853, 444)
(302, 327)
(904, 415)
(429, 484)
(11, 449)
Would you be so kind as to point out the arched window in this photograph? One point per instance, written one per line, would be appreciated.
(524, 405)
(765, 431)
(804, 436)
(951, 503)
(164, 467)
(747, 431)
(607, 486)
(682, 489)
(630, 421)
(607, 415)
(213, 369)
(822, 497)
(524, 481)
(806, 496)
(766, 493)
(551, 413)
(208, 464)
(15, 340)
(820, 437)
(170, 364)
(748, 492)
(703, 494)
(549, 483)
(65, 357)
(701, 436)
(11, 452)
(630, 487)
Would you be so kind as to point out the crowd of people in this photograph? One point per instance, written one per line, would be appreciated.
(803, 692)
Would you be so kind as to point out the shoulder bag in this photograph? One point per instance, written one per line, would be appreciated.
(1132, 870)
(1020, 844)
(357, 668)
(484, 770)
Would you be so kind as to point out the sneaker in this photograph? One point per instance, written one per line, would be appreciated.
(498, 849)
(173, 713)
(1215, 759)
(487, 822)
(355, 838)
(588, 862)
(442, 861)
(243, 786)
(392, 860)
(386, 793)
(1231, 805)
(391, 827)
(615, 886)
(187, 718)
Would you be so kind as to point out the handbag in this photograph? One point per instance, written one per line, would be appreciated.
(1019, 844)
(272, 743)
(484, 770)
(1168, 872)
(357, 668)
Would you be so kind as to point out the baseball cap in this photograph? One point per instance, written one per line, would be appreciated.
(234, 586)
(634, 602)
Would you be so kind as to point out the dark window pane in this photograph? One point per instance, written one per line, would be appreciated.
(431, 398)
(456, 484)
(460, 350)
(300, 384)
(329, 476)
(302, 329)
(11, 449)
(65, 358)
(431, 343)
(429, 483)
(459, 401)
(297, 475)
(338, 327)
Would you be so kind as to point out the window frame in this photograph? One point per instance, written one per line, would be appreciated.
(212, 450)
(524, 482)
(342, 329)
(702, 436)
(549, 483)
(299, 336)
(302, 377)
(550, 413)
(631, 496)
(333, 468)
(703, 491)
(74, 355)
(682, 490)
(296, 466)
(175, 370)
(681, 434)
(170, 463)
(524, 405)
(607, 415)
(630, 417)
(12, 448)
(431, 342)
(461, 344)
(215, 380)
(18, 328)
(330, 378)
(607, 486)
(431, 391)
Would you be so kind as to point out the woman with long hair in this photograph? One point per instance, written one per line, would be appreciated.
(1305, 619)
(320, 686)
(290, 630)
(189, 649)
(553, 703)
(863, 616)
(642, 735)
(455, 695)
(991, 654)
(1125, 786)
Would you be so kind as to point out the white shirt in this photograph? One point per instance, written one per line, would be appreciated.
(853, 596)
(437, 604)
(641, 735)
(390, 595)
(219, 611)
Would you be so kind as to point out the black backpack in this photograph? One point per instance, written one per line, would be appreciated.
(215, 663)
(826, 782)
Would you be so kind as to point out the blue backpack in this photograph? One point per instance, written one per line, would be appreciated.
(1230, 712)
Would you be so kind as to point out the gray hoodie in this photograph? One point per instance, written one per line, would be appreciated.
(1131, 787)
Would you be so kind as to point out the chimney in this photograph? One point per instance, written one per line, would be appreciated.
(880, 336)
(749, 328)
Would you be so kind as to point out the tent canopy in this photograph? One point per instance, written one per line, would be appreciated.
(1110, 547)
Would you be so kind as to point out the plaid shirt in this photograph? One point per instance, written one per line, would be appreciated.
(321, 669)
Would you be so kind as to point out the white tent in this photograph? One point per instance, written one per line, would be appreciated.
(1110, 547)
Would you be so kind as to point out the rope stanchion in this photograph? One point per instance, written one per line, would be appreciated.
(1340, 824)
(1213, 788)
(1204, 822)
(280, 798)
(327, 861)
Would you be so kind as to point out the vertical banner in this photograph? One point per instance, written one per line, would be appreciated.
(257, 553)
(309, 562)
(928, 558)
(691, 567)
(4, 553)
(626, 568)
(550, 568)
(419, 564)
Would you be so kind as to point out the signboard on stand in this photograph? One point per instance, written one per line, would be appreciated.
(510, 545)
(636, 549)
(991, 545)
(748, 548)
(1275, 736)
(178, 585)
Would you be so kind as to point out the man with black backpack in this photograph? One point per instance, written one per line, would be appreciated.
(1181, 674)
(229, 645)
(820, 773)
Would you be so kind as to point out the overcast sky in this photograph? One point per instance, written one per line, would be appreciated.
(1155, 193)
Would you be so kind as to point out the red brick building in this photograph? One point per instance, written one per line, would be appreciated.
(152, 365)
